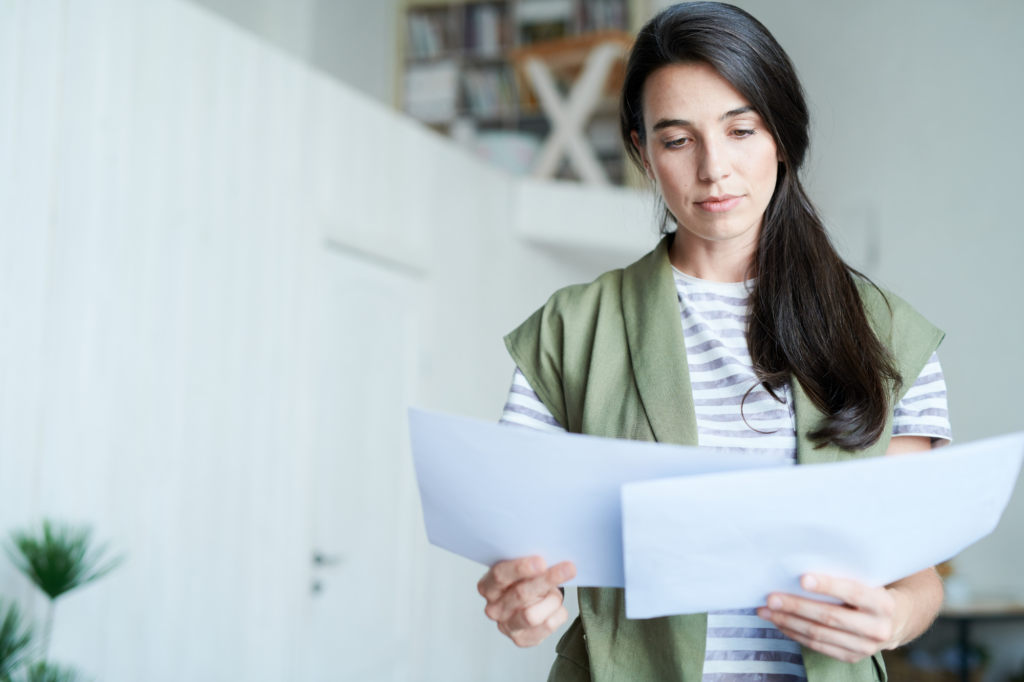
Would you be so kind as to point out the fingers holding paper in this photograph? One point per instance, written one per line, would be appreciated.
(862, 625)
(523, 598)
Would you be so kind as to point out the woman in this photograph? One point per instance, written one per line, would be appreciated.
(781, 347)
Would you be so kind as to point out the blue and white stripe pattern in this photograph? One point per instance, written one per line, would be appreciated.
(714, 319)
(923, 411)
(524, 408)
(740, 646)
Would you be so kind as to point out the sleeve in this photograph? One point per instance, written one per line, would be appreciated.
(525, 409)
(923, 411)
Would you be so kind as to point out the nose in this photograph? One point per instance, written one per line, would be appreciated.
(714, 163)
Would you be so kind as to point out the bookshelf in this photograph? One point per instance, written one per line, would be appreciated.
(459, 74)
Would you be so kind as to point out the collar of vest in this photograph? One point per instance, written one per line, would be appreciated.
(657, 349)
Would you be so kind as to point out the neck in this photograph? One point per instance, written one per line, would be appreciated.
(726, 260)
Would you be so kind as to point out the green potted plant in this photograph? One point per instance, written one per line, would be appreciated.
(58, 558)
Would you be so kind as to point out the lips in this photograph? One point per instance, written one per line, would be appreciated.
(720, 204)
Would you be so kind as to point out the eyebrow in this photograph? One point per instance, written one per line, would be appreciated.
(672, 122)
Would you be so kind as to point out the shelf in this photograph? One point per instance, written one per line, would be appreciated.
(458, 56)
(455, 73)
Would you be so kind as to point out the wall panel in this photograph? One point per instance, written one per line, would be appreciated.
(199, 239)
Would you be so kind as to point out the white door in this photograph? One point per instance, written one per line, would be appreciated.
(362, 490)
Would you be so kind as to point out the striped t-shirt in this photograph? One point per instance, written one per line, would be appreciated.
(740, 646)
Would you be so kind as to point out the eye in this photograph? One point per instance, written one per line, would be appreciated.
(743, 133)
(677, 144)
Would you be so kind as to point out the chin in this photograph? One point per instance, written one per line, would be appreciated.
(720, 229)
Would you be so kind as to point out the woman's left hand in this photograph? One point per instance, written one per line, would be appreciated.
(869, 619)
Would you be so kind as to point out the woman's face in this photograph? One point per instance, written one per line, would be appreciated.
(712, 157)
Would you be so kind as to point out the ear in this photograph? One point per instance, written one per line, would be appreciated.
(643, 153)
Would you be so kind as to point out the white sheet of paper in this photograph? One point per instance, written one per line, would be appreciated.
(725, 541)
(492, 492)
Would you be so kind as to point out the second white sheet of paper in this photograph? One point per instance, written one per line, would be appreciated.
(723, 541)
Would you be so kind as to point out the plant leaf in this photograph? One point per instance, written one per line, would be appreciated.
(15, 638)
(46, 672)
(59, 557)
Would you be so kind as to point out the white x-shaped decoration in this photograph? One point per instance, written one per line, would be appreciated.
(569, 117)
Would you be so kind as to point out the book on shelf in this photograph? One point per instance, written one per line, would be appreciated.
(427, 35)
(483, 27)
(490, 93)
(536, 11)
(540, 20)
(604, 15)
(432, 91)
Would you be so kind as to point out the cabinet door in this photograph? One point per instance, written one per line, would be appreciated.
(363, 504)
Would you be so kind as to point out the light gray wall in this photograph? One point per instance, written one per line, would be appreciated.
(915, 139)
(353, 40)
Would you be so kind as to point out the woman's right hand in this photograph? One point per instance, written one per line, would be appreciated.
(523, 597)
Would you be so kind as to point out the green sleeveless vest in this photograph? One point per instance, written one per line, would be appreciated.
(609, 359)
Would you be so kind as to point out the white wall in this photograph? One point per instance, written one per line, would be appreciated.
(913, 105)
(353, 40)
(222, 277)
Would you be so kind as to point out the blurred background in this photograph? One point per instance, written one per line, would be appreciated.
(239, 237)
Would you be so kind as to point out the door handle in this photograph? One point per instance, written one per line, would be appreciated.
(322, 560)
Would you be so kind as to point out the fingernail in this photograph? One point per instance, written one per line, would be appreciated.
(537, 565)
(775, 603)
(810, 582)
(765, 614)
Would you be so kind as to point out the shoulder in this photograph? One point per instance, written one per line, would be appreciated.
(556, 341)
(572, 310)
(885, 308)
(907, 333)
(582, 308)
(889, 314)
(580, 301)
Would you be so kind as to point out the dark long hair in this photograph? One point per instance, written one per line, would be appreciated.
(806, 317)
